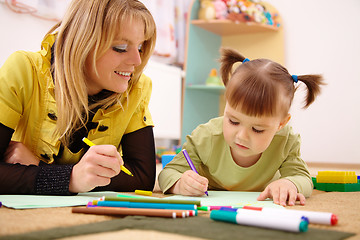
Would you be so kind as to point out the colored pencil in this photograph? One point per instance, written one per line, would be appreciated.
(145, 205)
(133, 211)
(152, 200)
(191, 164)
(122, 167)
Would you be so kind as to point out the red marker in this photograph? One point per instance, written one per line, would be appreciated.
(314, 217)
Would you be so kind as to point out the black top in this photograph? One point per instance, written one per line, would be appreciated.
(53, 179)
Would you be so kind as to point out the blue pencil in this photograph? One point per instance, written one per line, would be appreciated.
(147, 205)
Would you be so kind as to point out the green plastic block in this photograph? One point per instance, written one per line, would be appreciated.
(337, 187)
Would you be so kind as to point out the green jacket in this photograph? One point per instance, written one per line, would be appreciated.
(212, 158)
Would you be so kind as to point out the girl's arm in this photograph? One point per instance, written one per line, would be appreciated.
(138, 150)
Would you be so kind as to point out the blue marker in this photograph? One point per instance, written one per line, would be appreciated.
(259, 219)
(147, 205)
(188, 159)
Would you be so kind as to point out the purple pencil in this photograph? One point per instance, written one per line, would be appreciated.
(187, 157)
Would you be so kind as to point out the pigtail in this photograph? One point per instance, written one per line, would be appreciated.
(313, 84)
(228, 58)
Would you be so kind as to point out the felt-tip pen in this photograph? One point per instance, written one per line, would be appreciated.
(259, 219)
(188, 159)
(314, 217)
(283, 214)
(124, 169)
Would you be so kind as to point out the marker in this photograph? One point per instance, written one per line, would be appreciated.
(285, 214)
(134, 211)
(218, 207)
(203, 208)
(259, 219)
(145, 205)
(90, 144)
(152, 200)
(143, 192)
(314, 217)
(188, 159)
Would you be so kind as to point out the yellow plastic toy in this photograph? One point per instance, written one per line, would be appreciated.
(336, 177)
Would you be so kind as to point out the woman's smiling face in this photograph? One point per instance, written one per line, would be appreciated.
(115, 67)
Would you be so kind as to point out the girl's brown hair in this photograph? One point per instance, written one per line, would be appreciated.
(88, 28)
(262, 87)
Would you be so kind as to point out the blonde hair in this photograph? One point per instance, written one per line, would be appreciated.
(263, 87)
(90, 27)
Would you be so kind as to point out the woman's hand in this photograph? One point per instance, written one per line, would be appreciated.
(282, 191)
(190, 184)
(17, 152)
(96, 168)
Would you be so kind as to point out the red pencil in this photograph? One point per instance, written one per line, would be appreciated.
(134, 211)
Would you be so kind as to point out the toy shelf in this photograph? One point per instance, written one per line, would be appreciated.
(204, 38)
(227, 27)
(217, 89)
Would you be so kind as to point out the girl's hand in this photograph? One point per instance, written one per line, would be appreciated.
(17, 152)
(280, 191)
(190, 184)
(96, 168)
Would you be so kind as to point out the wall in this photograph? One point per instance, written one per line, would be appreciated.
(321, 36)
(20, 32)
(25, 32)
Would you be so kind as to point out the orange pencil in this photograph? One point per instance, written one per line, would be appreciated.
(134, 211)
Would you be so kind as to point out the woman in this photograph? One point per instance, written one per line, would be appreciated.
(86, 81)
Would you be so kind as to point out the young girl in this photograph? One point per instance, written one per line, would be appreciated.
(86, 81)
(250, 148)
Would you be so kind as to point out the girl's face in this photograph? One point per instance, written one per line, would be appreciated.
(118, 63)
(249, 136)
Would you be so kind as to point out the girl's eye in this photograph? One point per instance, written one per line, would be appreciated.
(120, 48)
(257, 131)
(233, 123)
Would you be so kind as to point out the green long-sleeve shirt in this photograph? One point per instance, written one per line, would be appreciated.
(212, 158)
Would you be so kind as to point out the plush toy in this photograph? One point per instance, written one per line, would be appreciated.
(249, 11)
(213, 79)
(207, 10)
(220, 9)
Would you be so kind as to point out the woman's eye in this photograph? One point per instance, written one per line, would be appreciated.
(257, 131)
(120, 48)
(140, 49)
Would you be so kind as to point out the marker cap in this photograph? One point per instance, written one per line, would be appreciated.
(203, 208)
(303, 226)
(226, 216)
(334, 219)
(303, 218)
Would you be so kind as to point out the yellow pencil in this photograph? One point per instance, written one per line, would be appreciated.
(90, 144)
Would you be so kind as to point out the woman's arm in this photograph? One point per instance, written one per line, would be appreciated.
(22, 179)
(138, 150)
